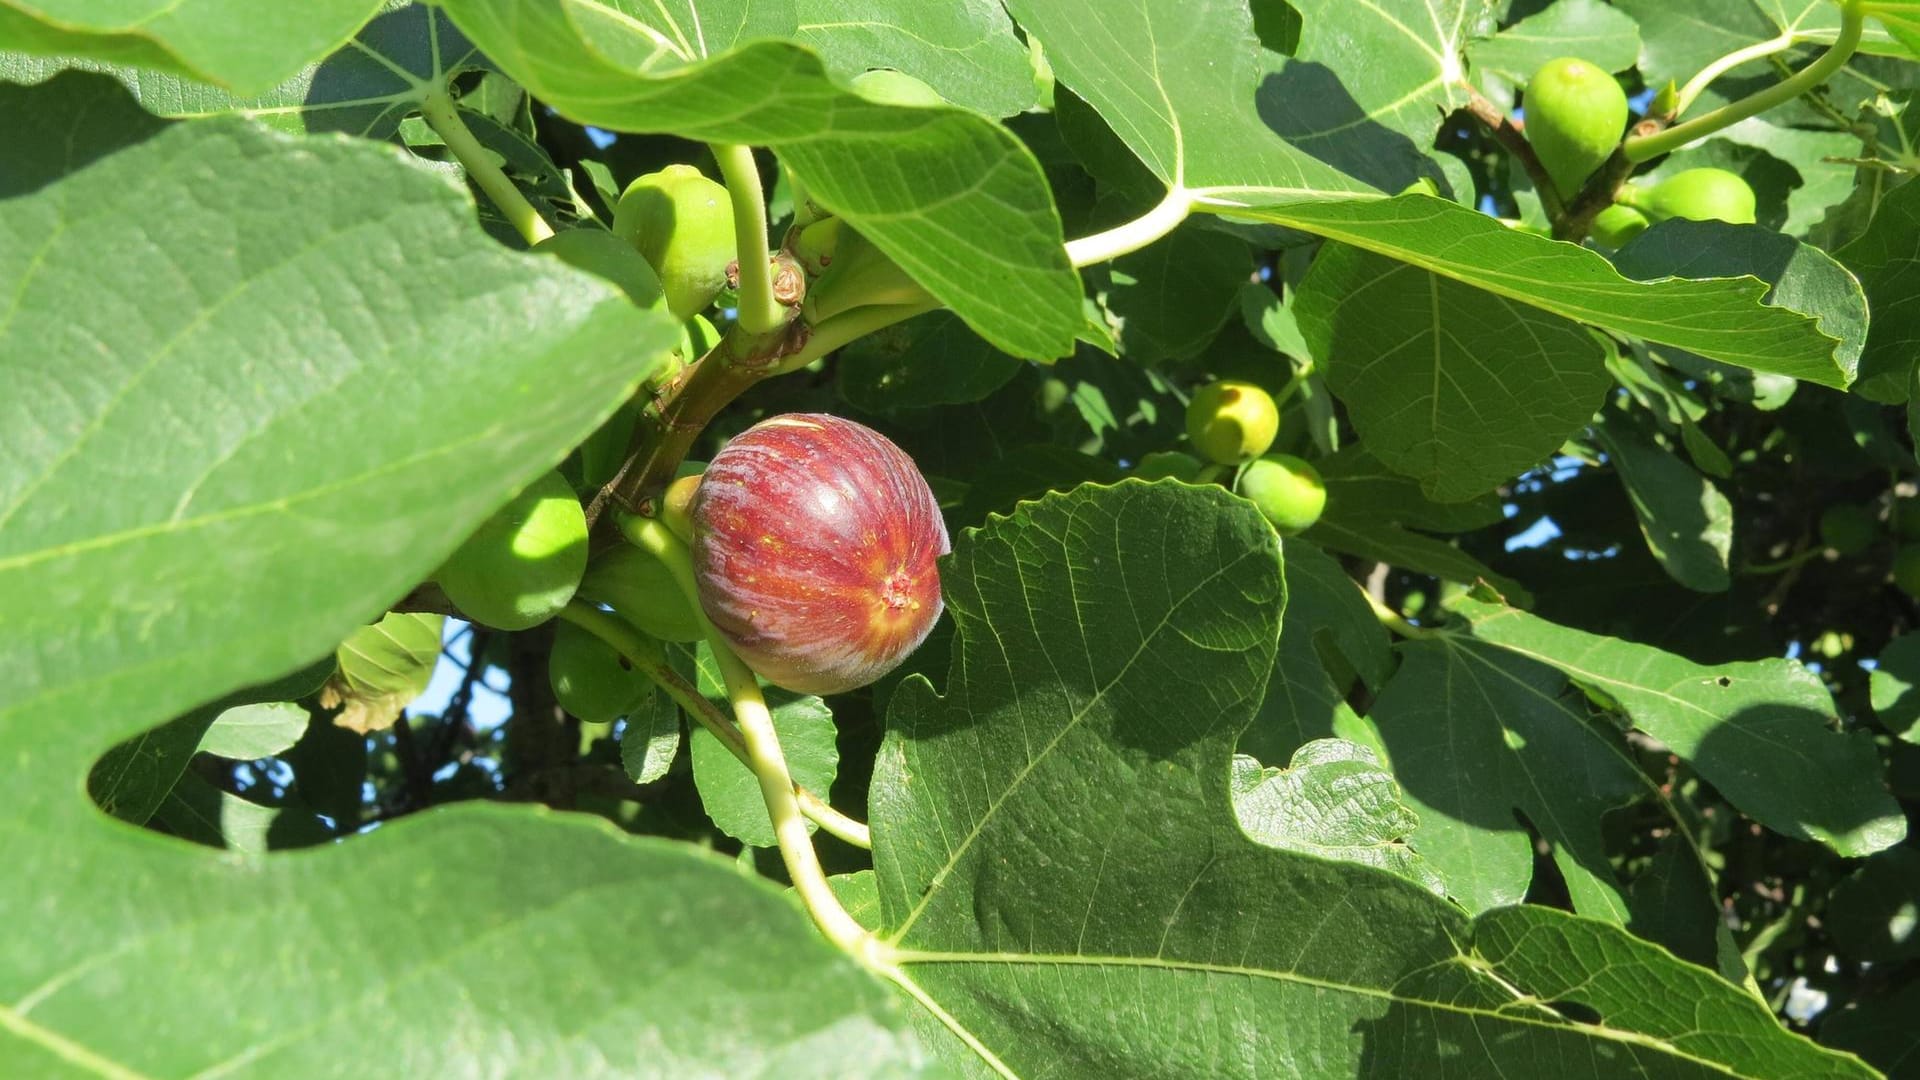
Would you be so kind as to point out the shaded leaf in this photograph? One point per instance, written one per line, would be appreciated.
(1896, 702)
(252, 732)
(1686, 521)
(728, 789)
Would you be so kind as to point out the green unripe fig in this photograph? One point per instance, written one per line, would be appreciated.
(682, 224)
(1699, 194)
(885, 86)
(603, 254)
(1231, 421)
(814, 246)
(697, 338)
(1576, 114)
(861, 275)
(1173, 463)
(1288, 492)
(590, 679)
(1847, 528)
(1906, 569)
(524, 563)
(1616, 225)
(1904, 516)
(641, 589)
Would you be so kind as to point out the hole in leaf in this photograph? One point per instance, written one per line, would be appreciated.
(1575, 1011)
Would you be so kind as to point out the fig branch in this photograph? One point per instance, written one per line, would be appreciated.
(443, 116)
(1514, 141)
(647, 658)
(1852, 16)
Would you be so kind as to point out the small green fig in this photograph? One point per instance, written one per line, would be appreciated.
(682, 224)
(1704, 194)
(1848, 528)
(1616, 225)
(641, 589)
(697, 337)
(1231, 421)
(814, 245)
(523, 564)
(590, 679)
(1576, 114)
(676, 506)
(1906, 569)
(885, 86)
(1164, 463)
(605, 255)
(1288, 492)
(861, 275)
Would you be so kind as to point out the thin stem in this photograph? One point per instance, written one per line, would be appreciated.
(1757, 51)
(1392, 619)
(648, 659)
(1135, 234)
(443, 117)
(848, 327)
(1646, 147)
(759, 311)
(892, 973)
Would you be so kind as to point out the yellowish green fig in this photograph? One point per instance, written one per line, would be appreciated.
(641, 589)
(1704, 194)
(590, 679)
(682, 224)
(1576, 114)
(524, 563)
(1288, 492)
(1231, 421)
(1616, 225)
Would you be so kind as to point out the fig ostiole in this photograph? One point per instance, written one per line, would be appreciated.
(681, 222)
(815, 542)
(590, 679)
(1230, 421)
(1576, 114)
(522, 565)
(1286, 490)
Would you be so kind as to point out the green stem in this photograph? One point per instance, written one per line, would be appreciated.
(760, 313)
(850, 326)
(1392, 619)
(764, 757)
(1646, 147)
(1758, 51)
(443, 116)
(1135, 234)
(647, 657)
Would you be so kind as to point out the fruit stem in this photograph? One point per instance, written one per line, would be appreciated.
(443, 116)
(1392, 619)
(760, 313)
(1643, 148)
(851, 326)
(1133, 235)
(1759, 50)
(649, 659)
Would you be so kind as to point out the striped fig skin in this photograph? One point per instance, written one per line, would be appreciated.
(814, 546)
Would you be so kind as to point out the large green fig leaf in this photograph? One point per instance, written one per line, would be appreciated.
(218, 345)
(1592, 30)
(247, 47)
(1758, 731)
(953, 198)
(1185, 88)
(1110, 644)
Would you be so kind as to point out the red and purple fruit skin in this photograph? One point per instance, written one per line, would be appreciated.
(814, 546)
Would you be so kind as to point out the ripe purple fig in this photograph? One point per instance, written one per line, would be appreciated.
(814, 547)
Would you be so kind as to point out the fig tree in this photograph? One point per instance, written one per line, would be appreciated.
(682, 224)
(605, 255)
(1704, 194)
(1848, 528)
(524, 563)
(814, 548)
(1617, 224)
(1231, 421)
(641, 590)
(590, 679)
(1287, 491)
(1576, 114)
